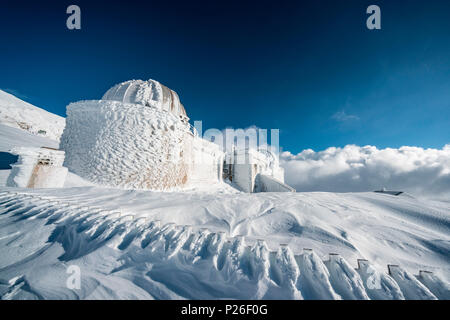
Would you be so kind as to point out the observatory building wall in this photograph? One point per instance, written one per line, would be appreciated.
(124, 145)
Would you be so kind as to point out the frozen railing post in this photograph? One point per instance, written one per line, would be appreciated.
(391, 268)
(424, 273)
(334, 256)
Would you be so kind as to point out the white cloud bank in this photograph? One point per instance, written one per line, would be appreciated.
(352, 168)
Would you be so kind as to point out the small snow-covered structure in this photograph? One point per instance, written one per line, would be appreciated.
(137, 136)
(37, 168)
(255, 171)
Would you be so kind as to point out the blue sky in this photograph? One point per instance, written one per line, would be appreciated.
(309, 68)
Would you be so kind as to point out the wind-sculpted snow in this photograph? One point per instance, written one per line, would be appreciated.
(315, 277)
(378, 285)
(345, 279)
(411, 287)
(137, 256)
(438, 287)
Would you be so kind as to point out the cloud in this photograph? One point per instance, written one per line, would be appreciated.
(352, 168)
(341, 116)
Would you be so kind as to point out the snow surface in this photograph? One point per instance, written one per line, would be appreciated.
(20, 114)
(142, 244)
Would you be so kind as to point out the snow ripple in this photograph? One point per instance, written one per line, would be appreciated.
(127, 257)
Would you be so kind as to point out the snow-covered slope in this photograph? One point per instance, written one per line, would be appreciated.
(20, 114)
(12, 137)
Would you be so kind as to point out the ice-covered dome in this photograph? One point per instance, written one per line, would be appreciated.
(149, 93)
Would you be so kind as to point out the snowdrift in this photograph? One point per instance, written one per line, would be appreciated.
(134, 255)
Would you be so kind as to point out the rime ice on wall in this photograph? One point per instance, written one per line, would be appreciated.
(124, 145)
(136, 137)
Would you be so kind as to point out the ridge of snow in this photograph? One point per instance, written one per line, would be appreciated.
(17, 113)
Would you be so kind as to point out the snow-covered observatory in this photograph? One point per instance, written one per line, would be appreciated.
(137, 136)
